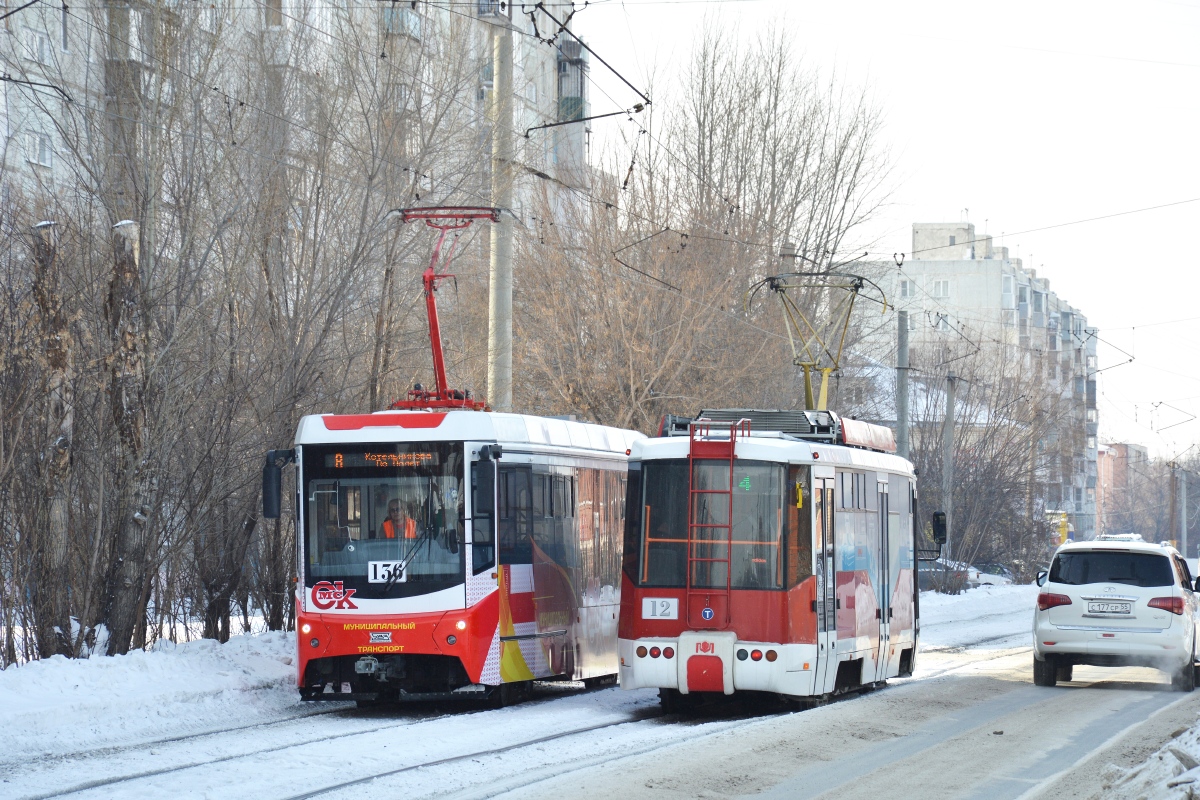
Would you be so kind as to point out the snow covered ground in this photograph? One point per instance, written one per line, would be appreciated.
(59, 705)
(197, 719)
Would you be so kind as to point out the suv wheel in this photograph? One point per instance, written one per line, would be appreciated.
(1184, 679)
(1045, 673)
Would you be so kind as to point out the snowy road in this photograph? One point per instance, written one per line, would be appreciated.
(968, 724)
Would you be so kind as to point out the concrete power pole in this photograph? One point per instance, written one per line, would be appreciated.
(902, 385)
(1183, 526)
(948, 463)
(500, 273)
(1173, 518)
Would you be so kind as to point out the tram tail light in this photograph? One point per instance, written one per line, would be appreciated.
(1050, 600)
(655, 652)
(668, 652)
(641, 651)
(756, 655)
(772, 655)
(1172, 604)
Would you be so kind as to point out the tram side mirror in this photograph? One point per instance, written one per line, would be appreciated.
(272, 479)
(939, 527)
(1196, 587)
(1043, 575)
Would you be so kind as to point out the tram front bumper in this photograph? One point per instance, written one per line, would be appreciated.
(691, 666)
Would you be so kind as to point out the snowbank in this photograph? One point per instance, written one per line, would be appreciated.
(977, 616)
(59, 705)
(1172, 773)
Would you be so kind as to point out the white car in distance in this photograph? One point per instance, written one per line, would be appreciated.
(1116, 601)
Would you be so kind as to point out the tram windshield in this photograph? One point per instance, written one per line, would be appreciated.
(384, 519)
(748, 556)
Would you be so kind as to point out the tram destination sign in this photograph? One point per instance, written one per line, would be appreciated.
(379, 460)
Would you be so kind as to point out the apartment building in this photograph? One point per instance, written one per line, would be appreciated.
(92, 58)
(959, 287)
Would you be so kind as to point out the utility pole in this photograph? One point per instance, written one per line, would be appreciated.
(902, 385)
(1171, 524)
(1183, 526)
(948, 463)
(500, 273)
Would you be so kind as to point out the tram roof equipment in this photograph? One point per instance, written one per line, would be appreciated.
(817, 426)
(443, 219)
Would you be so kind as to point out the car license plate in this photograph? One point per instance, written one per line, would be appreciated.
(1109, 608)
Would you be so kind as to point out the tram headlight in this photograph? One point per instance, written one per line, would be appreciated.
(756, 655)
(772, 655)
(461, 625)
(451, 639)
(314, 642)
(641, 651)
(655, 652)
(306, 628)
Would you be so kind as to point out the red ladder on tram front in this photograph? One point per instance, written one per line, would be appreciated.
(710, 538)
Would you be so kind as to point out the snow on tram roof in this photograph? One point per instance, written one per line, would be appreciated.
(459, 425)
(776, 446)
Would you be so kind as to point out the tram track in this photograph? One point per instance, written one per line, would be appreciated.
(102, 782)
(148, 745)
(641, 715)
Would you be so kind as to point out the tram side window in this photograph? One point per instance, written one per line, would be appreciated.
(483, 548)
(553, 526)
(515, 514)
(633, 522)
(799, 534)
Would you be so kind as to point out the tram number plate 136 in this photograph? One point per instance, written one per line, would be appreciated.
(382, 571)
(660, 608)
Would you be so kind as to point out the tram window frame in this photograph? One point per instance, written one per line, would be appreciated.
(631, 551)
(483, 518)
(798, 526)
(514, 515)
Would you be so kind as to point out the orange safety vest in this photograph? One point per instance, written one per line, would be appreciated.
(410, 529)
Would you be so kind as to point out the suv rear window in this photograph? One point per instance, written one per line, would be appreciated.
(1106, 566)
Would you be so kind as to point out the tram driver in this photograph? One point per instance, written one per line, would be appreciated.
(400, 522)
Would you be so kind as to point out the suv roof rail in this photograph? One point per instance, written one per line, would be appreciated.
(1121, 537)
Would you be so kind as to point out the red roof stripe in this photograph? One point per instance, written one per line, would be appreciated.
(355, 422)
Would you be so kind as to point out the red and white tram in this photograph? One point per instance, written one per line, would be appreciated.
(447, 551)
(768, 551)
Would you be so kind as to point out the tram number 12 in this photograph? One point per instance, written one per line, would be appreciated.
(660, 608)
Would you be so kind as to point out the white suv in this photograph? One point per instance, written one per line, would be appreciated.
(1117, 601)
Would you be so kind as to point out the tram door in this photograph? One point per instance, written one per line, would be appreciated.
(882, 581)
(825, 673)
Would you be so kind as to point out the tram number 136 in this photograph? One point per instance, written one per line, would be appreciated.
(383, 571)
(660, 608)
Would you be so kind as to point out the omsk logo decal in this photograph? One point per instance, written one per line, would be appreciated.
(707, 613)
(381, 637)
(745, 484)
(326, 595)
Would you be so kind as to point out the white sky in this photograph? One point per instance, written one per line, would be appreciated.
(1029, 114)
